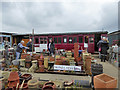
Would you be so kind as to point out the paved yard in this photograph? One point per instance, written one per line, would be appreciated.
(108, 69)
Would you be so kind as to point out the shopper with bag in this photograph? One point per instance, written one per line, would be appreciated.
(103, 46)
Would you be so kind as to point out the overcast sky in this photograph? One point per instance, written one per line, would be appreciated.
(44, 17)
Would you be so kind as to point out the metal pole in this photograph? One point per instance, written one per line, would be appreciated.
(32, 40)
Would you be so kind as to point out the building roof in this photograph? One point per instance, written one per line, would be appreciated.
(115, 32)
(6, 33)
(66, 33)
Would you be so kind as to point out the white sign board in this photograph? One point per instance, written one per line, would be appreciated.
(43, 46)
(68, 68)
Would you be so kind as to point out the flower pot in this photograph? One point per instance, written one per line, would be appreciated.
(78, 59)
(62, 58)
(52, 59)
(65, 62)
(37, 57)
(88, 64)
(28, 63)
(13, 79)
(13, 76)
(33, 83)
(41, 68)
(49, 86)
(41, 83)
(28, 58)
(25, 86)
(104, 81)
(26, 77)
(40, 62)
(58, 62)
(23, 56)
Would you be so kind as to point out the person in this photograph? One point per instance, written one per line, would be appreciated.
(99, 46)
(29, 44)
(6, 46)
(19, 49)
(51, 47)
(6, 43)
(103, 47)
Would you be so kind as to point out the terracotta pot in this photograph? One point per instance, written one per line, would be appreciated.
(25, 86)
(65, 62)
(80, 63)
(13, 79)
(28, 64)
(58, 62)
(41, 83)
(23, 56)
(40, 62)
(42, 57)
(35, 57)
(13, 76)
(88, 64)
(78, 59)
(41, 69)
(76, 53)
(52, 59)
(88, 57)
(62, 58)
(33, 83)
(49, 86)
(105, 81)
(28, 58)
(26, 77)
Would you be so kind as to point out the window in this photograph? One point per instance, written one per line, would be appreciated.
(91, 39)
(86, 39)
(9, 39)
(0, 39)
(81, 39)
(64, 39)
(36, 40)
(45, 40)
(59, 39)
(4, 38)
(41, 41)
(75, 40)
(55, 40)
(70, 39)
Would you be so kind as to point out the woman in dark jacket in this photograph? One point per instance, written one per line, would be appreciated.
(104, 48)
(51, 47)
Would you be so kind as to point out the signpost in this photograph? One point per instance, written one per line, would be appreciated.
(32, 40)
